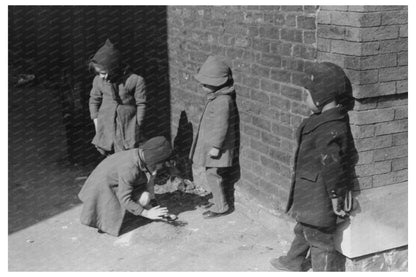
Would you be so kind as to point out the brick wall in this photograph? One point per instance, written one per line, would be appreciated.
(370, 43)
(268, 48)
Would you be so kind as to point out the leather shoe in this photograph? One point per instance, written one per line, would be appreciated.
(210, 214)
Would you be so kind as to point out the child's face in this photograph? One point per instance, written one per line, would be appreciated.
(101, 72)
(309, 102)
(208, 88)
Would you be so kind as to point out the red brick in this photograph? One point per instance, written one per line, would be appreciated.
(280, 75)
(375, 8)
(399, 164)
(390, 153)
(309, 37)
(355, 19)
(372, 90)
(371, 62)
(392, 101)
(261, 45)
(323, 17)
(269, 32)
(393, 74)
(270, 60)
(394, 17)
(300, 109)
(280, 156)
(402, 58)
(390, 178)
(376, 33)
(403, 31)
(242, 66)
(401, 86)
(334, 8)
(251, 131)
(363, 131)
(373, 116)
(362, 77)
(270, 163)
(396, 126)
(306, 22)
(270, 139)
(293, 64)
(400, 139)
(305, 52)
(330, 31)
(393, 45)
(291, 8)
(251, 155)
(373, 143)
(271, 86)
(287, 146)
(291, 92)
(252, 82)
(366, 157)
(260, 71)
(260, 96)
(234, 53)
(259, 146)
(245, 117)
(373, 169)
(261, 123)
(283, 131)
(293, 35)
(324, 44)
(242, 42)
(279, 102)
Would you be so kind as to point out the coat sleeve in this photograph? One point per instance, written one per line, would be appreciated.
(96, 98)
(331, 158)
(126, 178)
(220, 121)
(140, 97)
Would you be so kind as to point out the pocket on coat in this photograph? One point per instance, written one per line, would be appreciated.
(310, 176)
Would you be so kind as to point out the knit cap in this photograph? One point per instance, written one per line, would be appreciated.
(108, 57)
(214, 72)
(326, 83)
(156, 150)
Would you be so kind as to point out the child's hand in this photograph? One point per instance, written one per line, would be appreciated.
(337, 207)
(214, 152)
(155, 212)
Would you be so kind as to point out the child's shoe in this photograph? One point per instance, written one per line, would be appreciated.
(283, 264)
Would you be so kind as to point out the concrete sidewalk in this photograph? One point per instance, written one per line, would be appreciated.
(235, 242)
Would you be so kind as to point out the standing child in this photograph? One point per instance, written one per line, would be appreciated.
(117, 102)
(214, 145)
(324, 164)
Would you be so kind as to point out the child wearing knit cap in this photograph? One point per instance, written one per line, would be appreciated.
(323, 173)
(123, 182)
(214, 146)
(117, 102)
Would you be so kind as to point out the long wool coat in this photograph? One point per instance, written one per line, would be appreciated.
(111, 190)
(217, 128)
(118, 117)
(324, 167)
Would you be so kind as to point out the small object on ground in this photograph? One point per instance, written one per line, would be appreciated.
(30, 241)
(170, 217)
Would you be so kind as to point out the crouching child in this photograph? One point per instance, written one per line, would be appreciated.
(323, 173)
(124, 182)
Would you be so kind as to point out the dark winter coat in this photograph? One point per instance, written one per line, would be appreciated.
(217, 128)
(118, 118)
(324, 167)
(111, 190)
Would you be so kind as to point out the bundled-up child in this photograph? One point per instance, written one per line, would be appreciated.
(323, 173)
(123, 182)
(117, 102)
(214, 145)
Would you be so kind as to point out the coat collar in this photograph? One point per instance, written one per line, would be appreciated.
(223, 91)
(316, 120)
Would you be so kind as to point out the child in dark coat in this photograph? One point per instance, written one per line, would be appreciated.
(215, 144)
(323, 173)
(117, 102)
